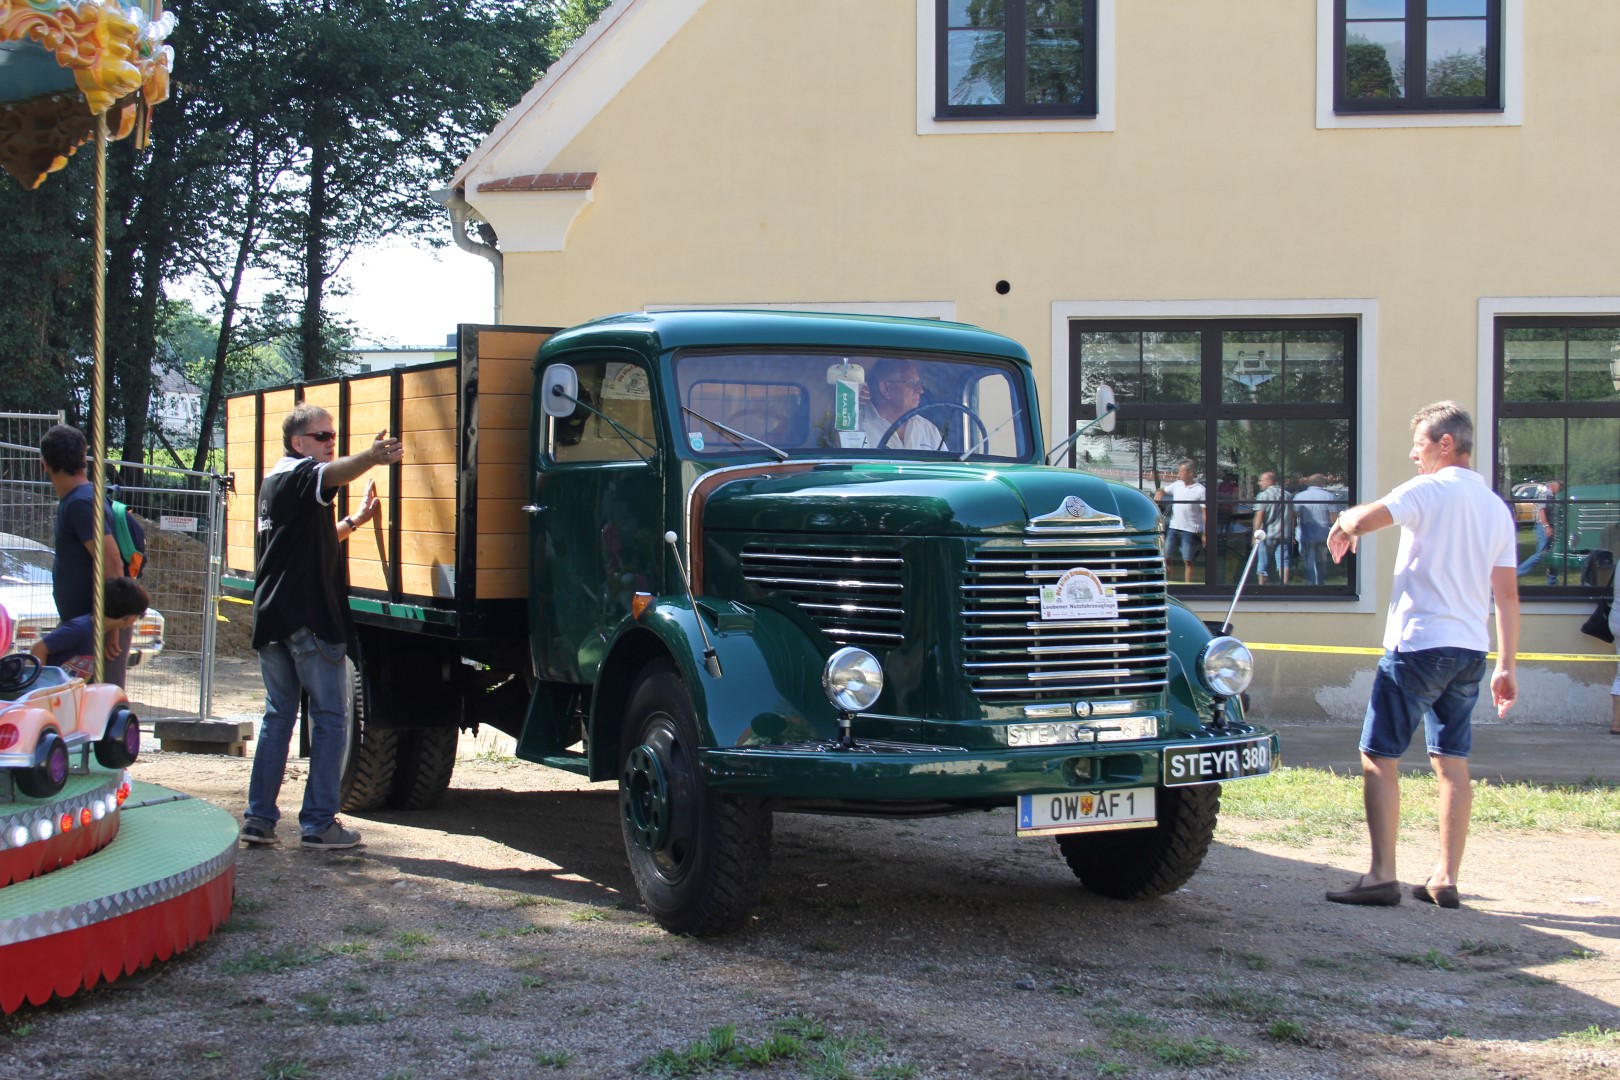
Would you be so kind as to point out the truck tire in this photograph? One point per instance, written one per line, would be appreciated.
(1140, 864)
(373, 758)
(427, 758)
(698, 857)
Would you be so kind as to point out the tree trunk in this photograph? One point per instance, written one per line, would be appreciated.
(315, 226)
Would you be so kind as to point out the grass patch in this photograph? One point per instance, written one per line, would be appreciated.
(1241, 1001)
(1530, 978)
(283, 1068)
(526, 930)
(1319, 804)
(348, 948)
(1252, 960)
(1579, 954)
(319, 1009)
(1195, 1053)
(368, 928)
(1289, 1031)
(1434, 958)
(798, 1039)
(1595, 1035)
(264, 963)
(478, 1001)
(412, 938)
(558, 1059)
(590, 915)
(249, 905)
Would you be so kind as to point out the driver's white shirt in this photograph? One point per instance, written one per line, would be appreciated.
(915, 434)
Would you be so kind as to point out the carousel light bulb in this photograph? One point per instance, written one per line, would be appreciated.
(98, 810)
(84, 816)
(43, 829)
(66, 824)
(17, 835)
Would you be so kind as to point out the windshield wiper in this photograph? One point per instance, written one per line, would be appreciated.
(974, 449)
(734, 433)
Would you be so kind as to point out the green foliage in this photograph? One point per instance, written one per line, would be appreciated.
(796, 1038)
(1433, 958)
(284, 1068)
(285, 958)
(1291, 1031)
(572, 19)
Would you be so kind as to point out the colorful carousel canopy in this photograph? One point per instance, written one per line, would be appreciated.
(65, 62)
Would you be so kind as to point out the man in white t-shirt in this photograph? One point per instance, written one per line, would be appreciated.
(1457, 552)
(1185, 536)
(896, 389)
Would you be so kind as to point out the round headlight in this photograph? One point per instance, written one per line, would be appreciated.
(853, 679)
(1226, 666)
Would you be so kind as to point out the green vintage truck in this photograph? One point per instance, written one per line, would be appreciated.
(749, 563)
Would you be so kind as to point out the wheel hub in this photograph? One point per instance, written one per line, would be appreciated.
(644, 799)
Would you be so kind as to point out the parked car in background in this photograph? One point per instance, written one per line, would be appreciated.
(1526, 497)
(26, 574)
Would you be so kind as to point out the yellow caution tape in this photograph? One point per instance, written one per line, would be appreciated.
(1361, 650)
(234, 600)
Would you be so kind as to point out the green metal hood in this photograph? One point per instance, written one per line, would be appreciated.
(917, 499)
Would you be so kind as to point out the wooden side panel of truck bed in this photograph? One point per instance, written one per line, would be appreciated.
(452, 509)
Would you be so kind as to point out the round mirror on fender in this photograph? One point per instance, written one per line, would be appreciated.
(1107, 411)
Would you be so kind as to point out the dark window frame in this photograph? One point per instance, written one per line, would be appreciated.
(1015, 105)
(1542, 410)
(1211, 409)
(1416, 99)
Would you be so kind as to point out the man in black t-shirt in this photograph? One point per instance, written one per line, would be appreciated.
(63, 450)
(301, 624)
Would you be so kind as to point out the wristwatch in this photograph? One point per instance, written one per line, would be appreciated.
(349, 521)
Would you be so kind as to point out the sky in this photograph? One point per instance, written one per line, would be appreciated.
(403, 295)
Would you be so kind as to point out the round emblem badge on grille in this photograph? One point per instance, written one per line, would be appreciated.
(1075, 506)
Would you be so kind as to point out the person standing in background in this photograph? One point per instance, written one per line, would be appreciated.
(1271, 517)
(1546, 513)
(64, 452)
(1185, 537)
(1314, 508)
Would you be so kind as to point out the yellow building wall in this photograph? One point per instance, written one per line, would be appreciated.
(769, 154)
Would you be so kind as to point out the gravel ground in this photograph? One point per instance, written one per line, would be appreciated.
(500, 935)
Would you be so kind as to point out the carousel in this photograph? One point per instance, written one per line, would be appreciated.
(100, 874)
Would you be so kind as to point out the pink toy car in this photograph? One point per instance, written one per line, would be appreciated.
(45, 714)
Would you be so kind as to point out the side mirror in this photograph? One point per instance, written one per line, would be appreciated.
(1107, 411)
(559, 391)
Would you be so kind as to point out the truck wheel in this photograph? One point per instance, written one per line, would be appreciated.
(698, 857)
(49, 771)
(369, 767)
(427, 758)
(1140, 864)
(120, 745)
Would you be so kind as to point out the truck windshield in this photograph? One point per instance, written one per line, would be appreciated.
(860, 405)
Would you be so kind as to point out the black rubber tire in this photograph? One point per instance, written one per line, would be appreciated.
(372, 763)
(1140, 864)
(705, 876)
(427, 759)
(36, 781)
(120, 745)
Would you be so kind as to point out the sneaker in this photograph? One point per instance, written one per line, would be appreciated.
(257, 832)
(334, 838)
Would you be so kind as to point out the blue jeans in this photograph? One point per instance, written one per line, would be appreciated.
(1317, 560)
(1273, 558)
(302, 663)
(1435, 687)
(1543, 538)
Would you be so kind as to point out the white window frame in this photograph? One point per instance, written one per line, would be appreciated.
(927, 125)
(1512, 114)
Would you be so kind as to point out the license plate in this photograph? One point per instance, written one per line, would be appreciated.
(1210, 763)
(1077, 811)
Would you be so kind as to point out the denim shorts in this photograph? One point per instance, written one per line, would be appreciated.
(1179, 544)
(1435, 687)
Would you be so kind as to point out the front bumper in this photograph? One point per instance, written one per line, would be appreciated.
(889, 771)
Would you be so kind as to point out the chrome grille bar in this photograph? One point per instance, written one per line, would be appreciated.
(855, 597)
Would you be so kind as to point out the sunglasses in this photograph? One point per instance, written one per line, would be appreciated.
(914, 384)
(320, 436)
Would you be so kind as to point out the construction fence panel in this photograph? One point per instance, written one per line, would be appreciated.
(183, 515)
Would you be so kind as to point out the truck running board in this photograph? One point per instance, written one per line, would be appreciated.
(568, 762)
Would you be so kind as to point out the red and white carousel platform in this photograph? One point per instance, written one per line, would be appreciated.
(104, 878)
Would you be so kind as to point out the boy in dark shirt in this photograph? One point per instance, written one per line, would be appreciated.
(70, 647)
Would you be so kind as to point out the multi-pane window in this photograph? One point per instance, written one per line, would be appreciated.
(1262, 411)
(1406, 55)
(1558, 443)
(1001, 58)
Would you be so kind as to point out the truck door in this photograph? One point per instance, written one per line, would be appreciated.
(598, 524)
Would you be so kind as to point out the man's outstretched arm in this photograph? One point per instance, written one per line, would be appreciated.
(1355, 523)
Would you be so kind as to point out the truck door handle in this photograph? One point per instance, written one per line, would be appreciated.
(531, 508)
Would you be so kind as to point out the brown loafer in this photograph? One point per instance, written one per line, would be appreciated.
(1387, 894)
(1440, 895)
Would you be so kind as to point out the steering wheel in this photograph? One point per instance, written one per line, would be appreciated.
(18, 672)
(984, 432)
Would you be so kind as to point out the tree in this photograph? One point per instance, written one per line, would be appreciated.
(385, 98)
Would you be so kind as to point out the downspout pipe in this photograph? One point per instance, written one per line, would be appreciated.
(460, 211)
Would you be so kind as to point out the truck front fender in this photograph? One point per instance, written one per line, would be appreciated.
(1191, 705)
(769, 689)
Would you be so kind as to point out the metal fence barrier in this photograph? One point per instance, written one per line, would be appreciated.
(183, 514)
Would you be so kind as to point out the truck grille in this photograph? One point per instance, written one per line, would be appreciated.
(1012, 654)
(855, 596)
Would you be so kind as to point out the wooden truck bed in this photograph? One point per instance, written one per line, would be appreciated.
(450, 549)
